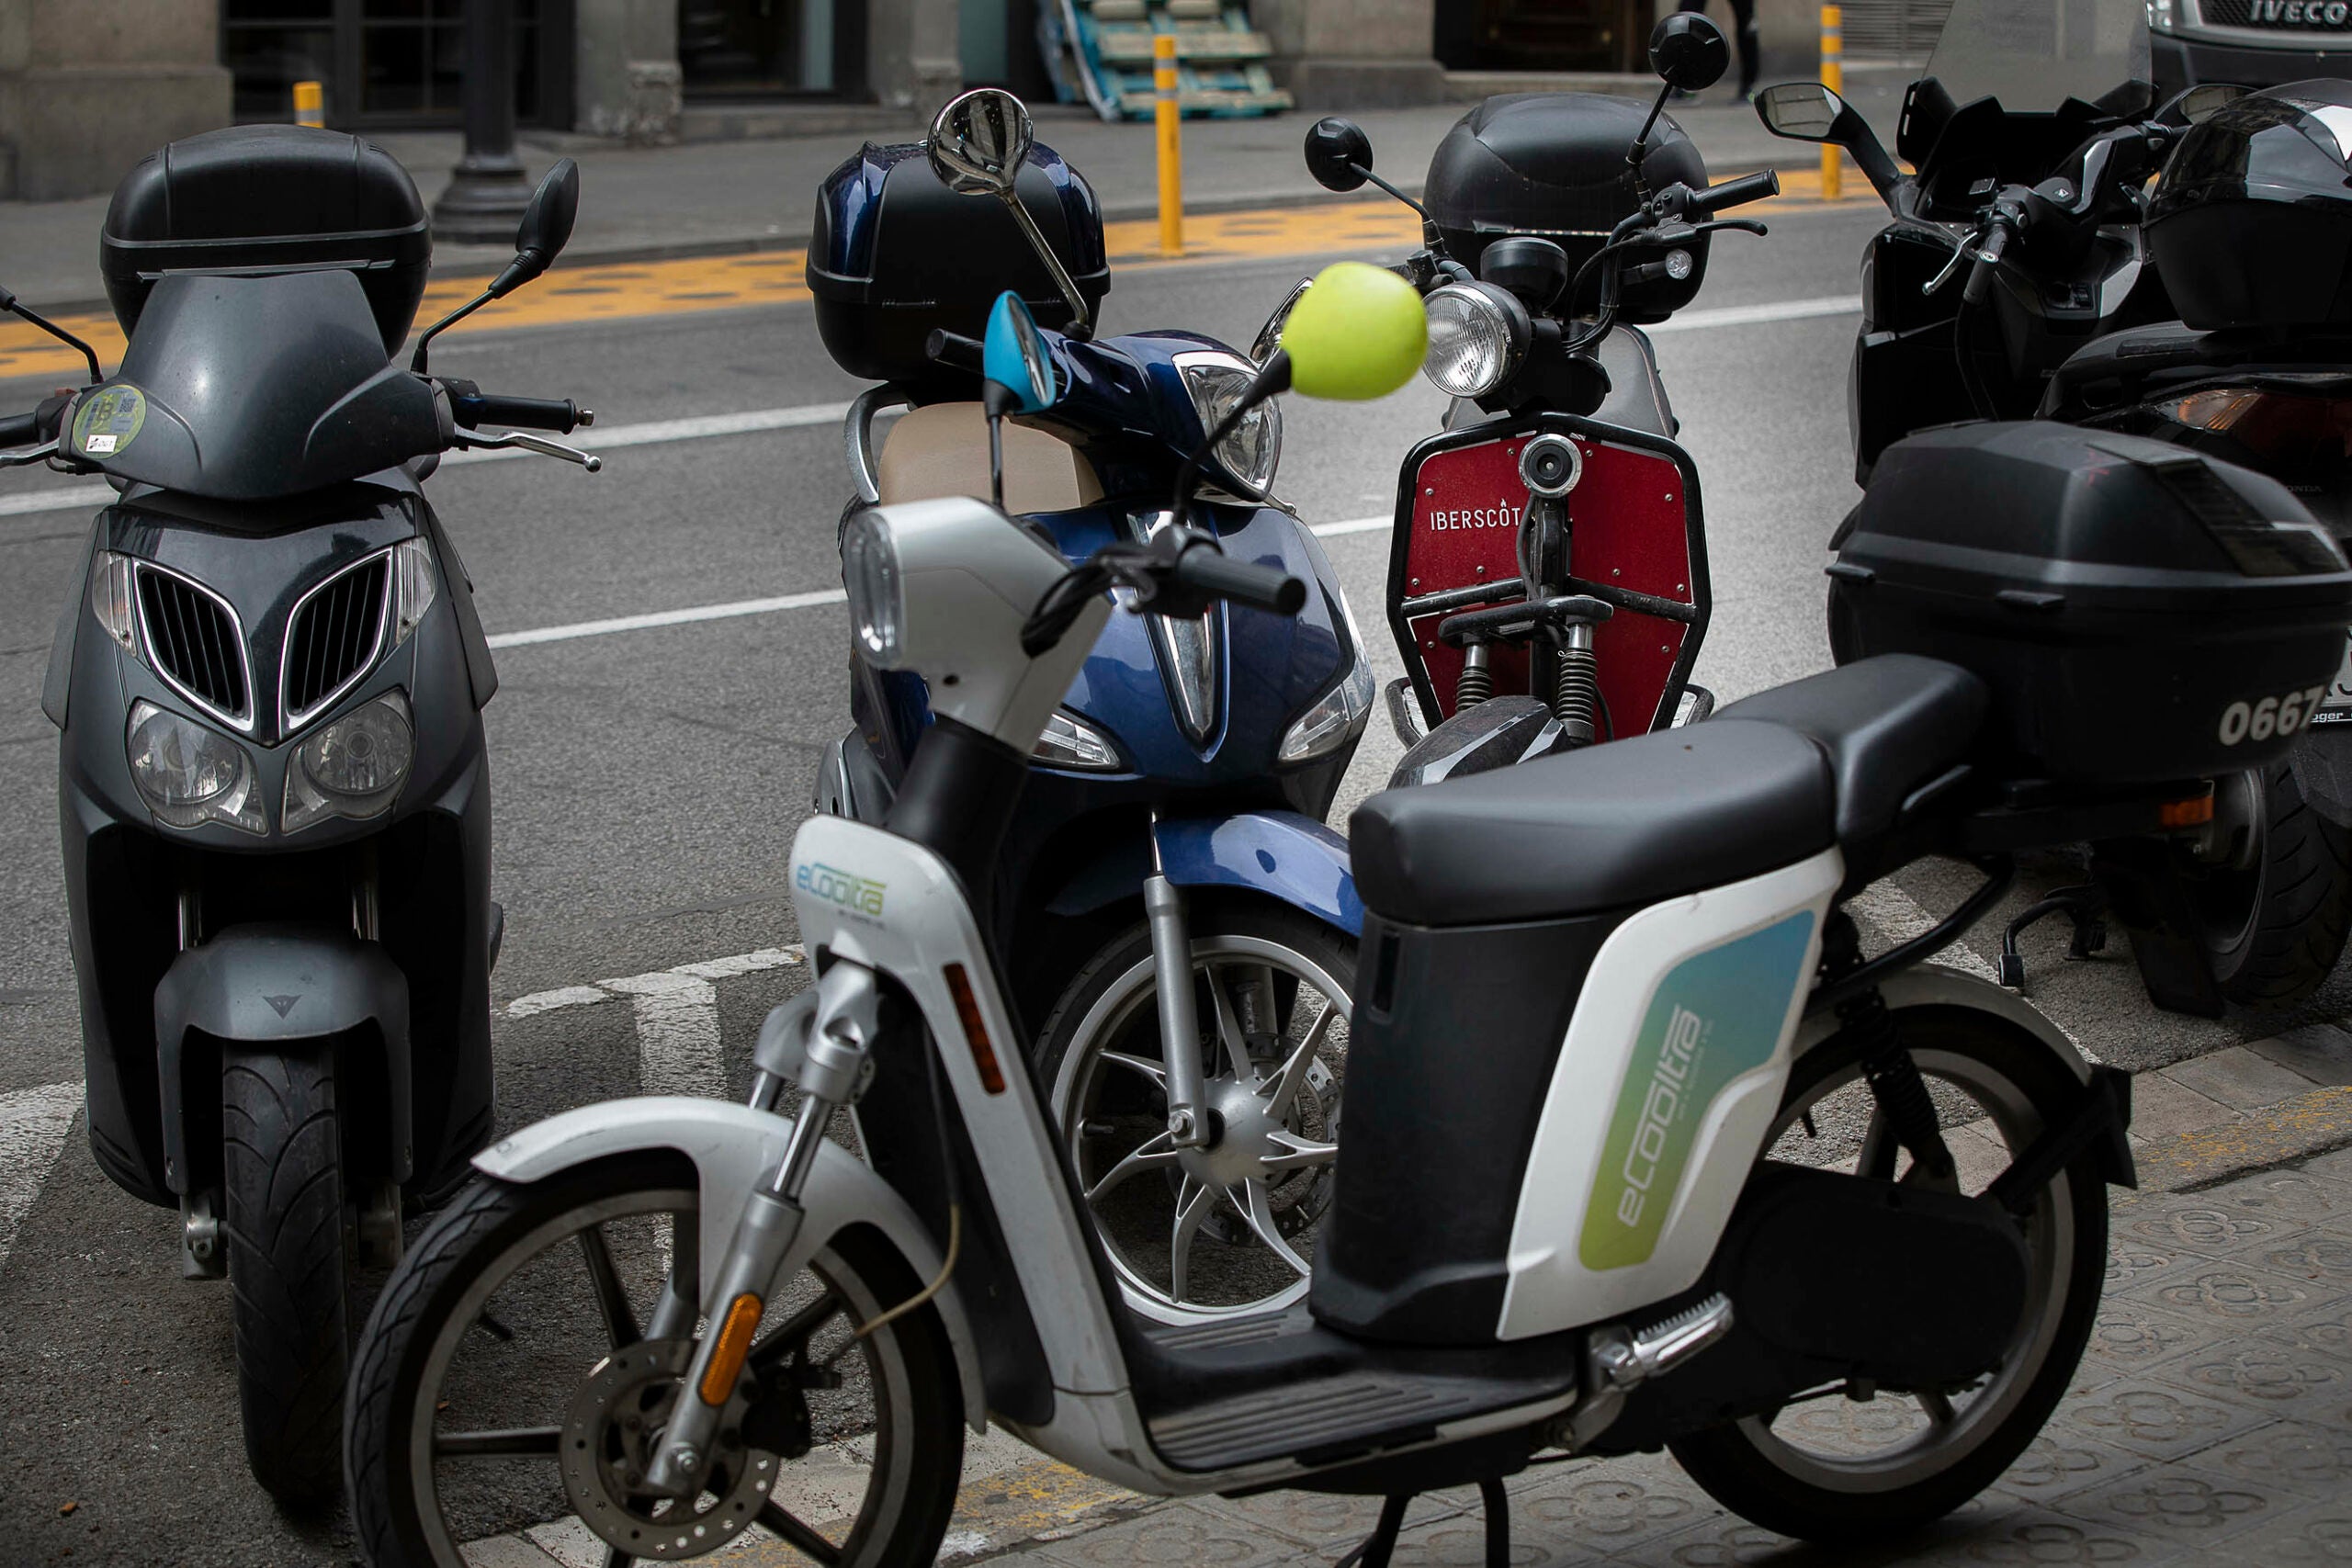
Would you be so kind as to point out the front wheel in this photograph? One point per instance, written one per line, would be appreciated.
(1844, 1462)
(289, 1235)
(2276, 906)
(523, 1359)
(1212, 1232)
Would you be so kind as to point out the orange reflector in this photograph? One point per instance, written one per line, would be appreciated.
(2186, 813)
(734, 1344)
(967, 1008)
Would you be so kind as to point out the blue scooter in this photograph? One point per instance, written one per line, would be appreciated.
(1167, 875)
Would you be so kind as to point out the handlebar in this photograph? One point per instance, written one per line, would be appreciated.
(1988, 260)
(1212, 575)
(956, 349)
(1737, 193)
(473, 408)
(20, 430)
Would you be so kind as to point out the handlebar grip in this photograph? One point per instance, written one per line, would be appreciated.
(562, 415)
(1988, 258)
(1244, 582)
(20, 430)
(1738, 192)
(956, 349)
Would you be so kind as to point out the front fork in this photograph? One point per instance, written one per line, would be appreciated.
(832, 1068)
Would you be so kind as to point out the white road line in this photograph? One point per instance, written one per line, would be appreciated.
(32, 1133)
(677, 1033)
(1760, 315)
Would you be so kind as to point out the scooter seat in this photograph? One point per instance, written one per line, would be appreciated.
(1764, 783)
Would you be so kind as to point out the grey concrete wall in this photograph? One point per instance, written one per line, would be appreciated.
(626, 80)
(915, 53)
(88, 87)
(1335, 54)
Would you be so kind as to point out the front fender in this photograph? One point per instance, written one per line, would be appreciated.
(732, 1147)
(1932, 985)
(1282, 854)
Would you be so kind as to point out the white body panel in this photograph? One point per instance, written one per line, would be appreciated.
(1632, 1058)
(1933, 985)
(731, 1148)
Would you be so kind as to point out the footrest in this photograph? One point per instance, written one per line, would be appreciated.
(1321, 1420)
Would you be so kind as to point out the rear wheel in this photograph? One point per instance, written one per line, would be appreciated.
(1199, 1233)
(521, 1361)
(1843, 1462)
(2275, 911)
(289, 1235)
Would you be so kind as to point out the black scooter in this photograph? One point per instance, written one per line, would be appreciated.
(269, 676)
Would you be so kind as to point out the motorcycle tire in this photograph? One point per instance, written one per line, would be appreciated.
(439, 1301)
(289, 1239)
(1839, 1495)
(2275, 929)
(1116, 990)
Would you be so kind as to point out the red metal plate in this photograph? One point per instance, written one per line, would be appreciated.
(1627, 528)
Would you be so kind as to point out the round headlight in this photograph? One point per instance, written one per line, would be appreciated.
(189, 774)
(1476, 335)
(353, 767)
(870, 574)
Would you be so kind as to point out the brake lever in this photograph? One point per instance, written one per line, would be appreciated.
(25, 456)
(523, 441)
(1959, 252)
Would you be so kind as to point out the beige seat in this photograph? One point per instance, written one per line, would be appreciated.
(942, 449)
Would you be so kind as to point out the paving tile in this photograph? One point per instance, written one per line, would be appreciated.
(2319, 1052)
(1321, 1519)
(2162, 1106)
(1724, 1541)
(2308, 1459)
(2131, 1259)
(2305, 1197)
(2316, 1535)
(2191, 1226)
(2320, 1258)
(1609, 1511)
(2229, 1294)
(505, 1551)
(1460, 1542)
(2152, 1420)
(1182, 1534)
(2062, 1461)
(2183, 1506)
(2132, 1333)
(2260, 1372)
(2236, 1078)
(2335, 1166)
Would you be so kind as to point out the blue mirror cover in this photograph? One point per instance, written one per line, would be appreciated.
(1013, 355)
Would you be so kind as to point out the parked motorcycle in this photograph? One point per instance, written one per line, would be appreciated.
(1176, 797)
(1687, 1189)
(2028, 268)
(1549, 565)
(269, 675)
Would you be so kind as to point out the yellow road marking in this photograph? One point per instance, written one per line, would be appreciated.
(633, 290)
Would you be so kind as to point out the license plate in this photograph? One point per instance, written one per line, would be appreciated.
(2336, 706)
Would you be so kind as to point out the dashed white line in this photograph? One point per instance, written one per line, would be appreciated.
(32, 1133)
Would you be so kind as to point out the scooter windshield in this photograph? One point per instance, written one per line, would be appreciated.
(2035, 54)
(245, 389)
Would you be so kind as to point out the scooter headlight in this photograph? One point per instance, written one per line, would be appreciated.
(1477, 336)
(1253, 448)
(353, 767)
(189, 774)
(878, 603)
(1333, 719)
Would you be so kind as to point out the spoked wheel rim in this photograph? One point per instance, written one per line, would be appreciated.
(1273, 1082)
(1942, 1430)
(439, 1447)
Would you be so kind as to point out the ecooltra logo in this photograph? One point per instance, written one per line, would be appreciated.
(1502, 514)
(1678, 1056)
(835, 886)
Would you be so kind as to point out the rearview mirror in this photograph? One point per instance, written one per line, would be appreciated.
(1689, 51)
(1339, 153)
(1359, 333)
(980, 142)
(546, 227)
(1802, 111)
(1013, 356)
(2207, 99)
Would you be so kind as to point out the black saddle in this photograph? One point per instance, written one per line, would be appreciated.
(1765, 782)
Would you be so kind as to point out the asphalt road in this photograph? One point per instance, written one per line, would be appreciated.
(648, 784)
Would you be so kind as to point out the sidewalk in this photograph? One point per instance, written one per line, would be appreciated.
(717, 197)
(2211, 1421)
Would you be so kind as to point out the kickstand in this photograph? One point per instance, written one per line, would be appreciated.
(2086, 906)
(1374, 1551)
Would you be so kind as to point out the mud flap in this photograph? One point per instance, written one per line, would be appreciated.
(2147, 897)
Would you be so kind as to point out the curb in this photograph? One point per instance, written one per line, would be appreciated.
(2294, 1129)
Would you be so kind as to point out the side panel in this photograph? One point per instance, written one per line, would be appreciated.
(1280, 854)
(1673, 1065)
(732, 1147)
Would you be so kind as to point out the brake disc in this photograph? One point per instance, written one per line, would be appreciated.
(610, 1436)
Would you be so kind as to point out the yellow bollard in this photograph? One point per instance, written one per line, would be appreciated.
(1171, 151)
(1833, 76)
(309, 104)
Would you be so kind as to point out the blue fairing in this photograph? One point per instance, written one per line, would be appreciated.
(1290, 857)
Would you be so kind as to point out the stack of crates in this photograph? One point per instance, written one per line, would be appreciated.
(1220, 59)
